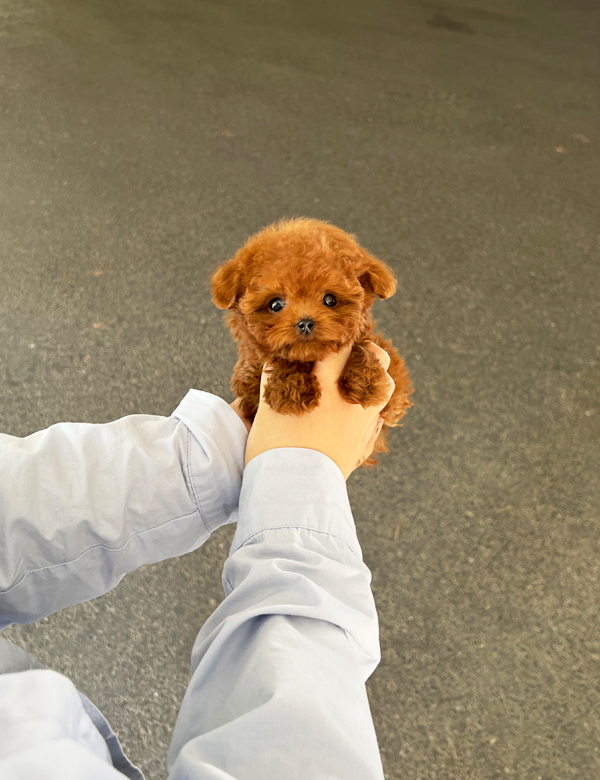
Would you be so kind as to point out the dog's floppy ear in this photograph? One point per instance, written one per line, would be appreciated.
(376, 277)
(227, 284)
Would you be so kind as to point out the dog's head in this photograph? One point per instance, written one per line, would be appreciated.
(301, 288)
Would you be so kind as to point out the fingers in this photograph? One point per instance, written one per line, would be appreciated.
(264, 378)
(380, 354)
(377, 425)
(327, 370)
(330, 368)
(370, 446)
(385, 361)
(391, 388)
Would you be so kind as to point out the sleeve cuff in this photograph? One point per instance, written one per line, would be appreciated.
(295, 488)
(215, 455)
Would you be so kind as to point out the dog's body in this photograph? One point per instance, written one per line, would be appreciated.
(296, 291)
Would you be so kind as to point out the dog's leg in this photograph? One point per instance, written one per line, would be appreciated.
(363, 379)
(246, 386)
(291, 388)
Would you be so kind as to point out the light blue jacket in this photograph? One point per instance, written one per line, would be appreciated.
(278, 670)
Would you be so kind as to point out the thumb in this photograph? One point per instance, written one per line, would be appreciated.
(264, 378)
(330, 368)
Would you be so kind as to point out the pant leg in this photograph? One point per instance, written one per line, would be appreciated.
(14, 659)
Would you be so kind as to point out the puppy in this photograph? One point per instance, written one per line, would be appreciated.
(295, 291)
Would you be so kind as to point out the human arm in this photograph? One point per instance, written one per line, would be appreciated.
(81, 504)
(277, 689)
(279, 669)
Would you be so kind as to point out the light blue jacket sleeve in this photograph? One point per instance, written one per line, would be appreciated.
(81, 505)
(279, 669)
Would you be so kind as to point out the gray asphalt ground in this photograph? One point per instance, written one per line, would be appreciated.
(142, 142)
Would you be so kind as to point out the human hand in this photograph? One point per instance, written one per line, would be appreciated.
(236, 408)
(343, 431)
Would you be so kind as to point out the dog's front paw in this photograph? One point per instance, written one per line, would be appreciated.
(294, 392)
(363, 379)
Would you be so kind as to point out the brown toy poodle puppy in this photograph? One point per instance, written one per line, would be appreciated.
(295, 291)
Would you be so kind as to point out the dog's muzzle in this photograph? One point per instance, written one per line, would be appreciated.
(306, 327)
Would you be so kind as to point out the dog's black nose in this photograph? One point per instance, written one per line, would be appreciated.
(306, 326)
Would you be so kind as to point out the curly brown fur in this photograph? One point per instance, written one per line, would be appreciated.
(324, 284)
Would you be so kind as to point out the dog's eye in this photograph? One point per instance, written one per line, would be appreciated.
(330, 300)
(276, 305)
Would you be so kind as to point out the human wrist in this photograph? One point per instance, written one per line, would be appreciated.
(215, 456)
(294, 487)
